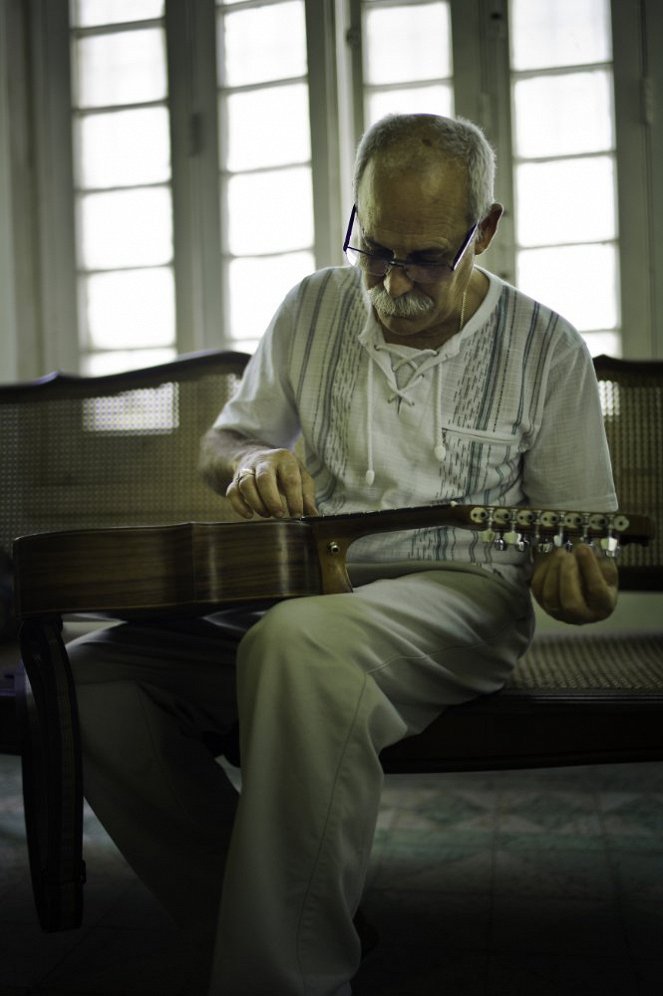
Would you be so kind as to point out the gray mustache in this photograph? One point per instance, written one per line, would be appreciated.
(407, 306)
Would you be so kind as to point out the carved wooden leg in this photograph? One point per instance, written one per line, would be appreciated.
(52, 775)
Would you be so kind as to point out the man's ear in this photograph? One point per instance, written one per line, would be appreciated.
(487, 229)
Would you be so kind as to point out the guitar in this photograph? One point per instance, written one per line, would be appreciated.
(200, 566)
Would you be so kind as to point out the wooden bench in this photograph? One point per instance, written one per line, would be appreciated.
(122, 450)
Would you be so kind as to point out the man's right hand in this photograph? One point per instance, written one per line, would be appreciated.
(271, 483)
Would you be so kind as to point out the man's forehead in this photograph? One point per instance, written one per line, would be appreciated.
(436, 190)
(426, 172)
(411, 204)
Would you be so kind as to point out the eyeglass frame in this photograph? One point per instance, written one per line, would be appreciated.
(403, 263)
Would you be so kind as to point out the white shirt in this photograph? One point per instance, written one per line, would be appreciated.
(506, 412)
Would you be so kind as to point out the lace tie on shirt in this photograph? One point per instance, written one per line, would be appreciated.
(400, 393)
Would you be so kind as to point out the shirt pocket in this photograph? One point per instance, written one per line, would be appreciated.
(476, 461)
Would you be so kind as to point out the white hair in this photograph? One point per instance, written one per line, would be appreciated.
(410, 141)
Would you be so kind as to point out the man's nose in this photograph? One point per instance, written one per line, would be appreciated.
(396, 281)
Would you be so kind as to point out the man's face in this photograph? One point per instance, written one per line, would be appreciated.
(420, 216)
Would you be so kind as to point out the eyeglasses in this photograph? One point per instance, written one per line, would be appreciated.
(378, 264)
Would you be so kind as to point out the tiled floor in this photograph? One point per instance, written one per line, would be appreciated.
(544, 883)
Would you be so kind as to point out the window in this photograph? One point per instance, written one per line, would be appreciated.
(211, 148)
(564, 163)
(266, 193)
(407, 58)
(122, 171)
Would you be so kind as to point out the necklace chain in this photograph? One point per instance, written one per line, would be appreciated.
(462, 311)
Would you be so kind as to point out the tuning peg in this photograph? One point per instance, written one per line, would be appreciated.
(585, 537)
(520, 543)
(488, 534)
(610, 546)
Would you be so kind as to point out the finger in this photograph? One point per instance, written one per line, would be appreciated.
(308, 491)
(545, 583)
(598, 577)
(556, 586)
(255, 490)
(264, 491)
(573, 606)
(236, 496)
(297, 488)
(309, 506)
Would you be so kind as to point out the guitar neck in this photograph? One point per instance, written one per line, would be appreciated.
(537, 524)
(354, 525)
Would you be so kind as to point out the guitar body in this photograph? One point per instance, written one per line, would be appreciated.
(135, 571)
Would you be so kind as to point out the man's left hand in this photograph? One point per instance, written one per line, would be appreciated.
(577, 586)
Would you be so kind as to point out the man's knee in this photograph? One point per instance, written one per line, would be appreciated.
(298, 653)
(300, 627)
(88, 653)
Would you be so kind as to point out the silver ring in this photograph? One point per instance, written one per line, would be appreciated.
(242, 473)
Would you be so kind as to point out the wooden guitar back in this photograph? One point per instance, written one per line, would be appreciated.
(134, 571)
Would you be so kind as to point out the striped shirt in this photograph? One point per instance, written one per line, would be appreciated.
(506, 412)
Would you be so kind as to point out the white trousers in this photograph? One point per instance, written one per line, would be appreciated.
(321, 685)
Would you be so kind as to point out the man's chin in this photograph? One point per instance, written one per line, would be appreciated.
(403, 325)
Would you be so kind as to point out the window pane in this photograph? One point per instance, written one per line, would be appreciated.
(257, 287)
(145, 410)
(267, 127)
(579, 282)
(96, 364)
(126, 228)
(407, 43)
(608, 343)
(268, 43)
(568, 201)
(123, 148)
(411, 100)
(127, 67)
(559, 33)
(89, 12)
(270, 212)
(562, 115)
(129, 307)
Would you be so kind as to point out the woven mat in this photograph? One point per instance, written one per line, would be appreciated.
(629, 662)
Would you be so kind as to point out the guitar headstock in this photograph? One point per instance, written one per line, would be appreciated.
(544, 530)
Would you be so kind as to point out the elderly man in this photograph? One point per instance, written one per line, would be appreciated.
(412, 377)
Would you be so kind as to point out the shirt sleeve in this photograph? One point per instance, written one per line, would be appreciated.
(264, 405)
(568, 465)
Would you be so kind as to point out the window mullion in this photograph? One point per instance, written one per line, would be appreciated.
(653, 32)
(16, 292)
(51, 82)
(469, 95)
(353, 37)
(195, 174)
(324, 124)
(635, 172)
(482, 94)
